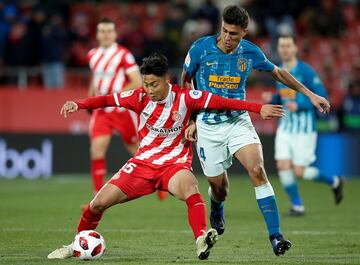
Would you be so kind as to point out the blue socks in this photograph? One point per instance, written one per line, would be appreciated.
(290, 186)
(267, 203)
(313, 173)
(216, 206)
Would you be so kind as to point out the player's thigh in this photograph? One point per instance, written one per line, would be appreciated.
(108, 196)
(134, 180)
(212, 149)
(250, 156)
(99, 146)
(241, 134)
(304, 146)
(183, 184)
(100, 124)
(283, 146)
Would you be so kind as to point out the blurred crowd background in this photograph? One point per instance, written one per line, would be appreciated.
(43, 44)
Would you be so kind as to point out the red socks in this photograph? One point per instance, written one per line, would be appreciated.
(98, 171)
(196, 214)
(89, 220)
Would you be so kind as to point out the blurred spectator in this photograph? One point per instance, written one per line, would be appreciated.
(328, 20)
(7, 17)
(133, 36)
(54, 42)
(35, 26)
(81, 39)
(351, 106)
(173, 25)
(209, 11)
(18, 43)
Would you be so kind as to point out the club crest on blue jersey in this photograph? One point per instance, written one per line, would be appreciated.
(242, 64)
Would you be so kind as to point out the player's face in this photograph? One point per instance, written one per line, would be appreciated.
(106, 34)
(287, 49)
(231, 35)
(156, 87)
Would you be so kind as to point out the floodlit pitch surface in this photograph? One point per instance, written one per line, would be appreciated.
(38, 216)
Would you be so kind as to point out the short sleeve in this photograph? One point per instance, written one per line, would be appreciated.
(131, 99)
(260, 62)
(191, 64)
(197, 99)
(129, 62)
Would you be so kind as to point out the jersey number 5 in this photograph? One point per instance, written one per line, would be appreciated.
(128, 167)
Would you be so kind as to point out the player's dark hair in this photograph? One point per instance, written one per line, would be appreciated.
(236, 15)
(290, 36)
(106, 20)
(155, 64)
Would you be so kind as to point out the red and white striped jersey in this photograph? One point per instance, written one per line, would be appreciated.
(162, 124)
(110, 67)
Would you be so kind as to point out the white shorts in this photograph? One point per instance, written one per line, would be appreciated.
(216, 144)
(297, 147)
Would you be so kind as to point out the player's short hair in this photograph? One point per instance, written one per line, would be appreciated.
(288, 36)
(155, 64)
(107, 21)
(236, 15)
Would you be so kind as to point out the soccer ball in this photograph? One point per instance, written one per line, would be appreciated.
(88, 244)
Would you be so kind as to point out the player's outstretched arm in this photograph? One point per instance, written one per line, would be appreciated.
(283, 76)
(267, 111)
(89, 103)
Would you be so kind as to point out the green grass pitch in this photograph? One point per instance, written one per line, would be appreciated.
(39, 216)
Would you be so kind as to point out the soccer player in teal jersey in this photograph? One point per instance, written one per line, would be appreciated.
(221, 64)
(295, 142)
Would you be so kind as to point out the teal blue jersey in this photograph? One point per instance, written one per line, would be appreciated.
(303, 120)
(223, 74)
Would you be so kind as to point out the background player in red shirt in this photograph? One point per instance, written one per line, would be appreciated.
(113, 70)
(163, 160)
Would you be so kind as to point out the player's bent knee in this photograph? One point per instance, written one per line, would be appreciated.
(257, 173)
(220, 192)
(190, 190)
(298, 172)
(98, 205)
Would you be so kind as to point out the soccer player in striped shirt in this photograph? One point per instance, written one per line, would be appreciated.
(163, 161)
(295, 142)
(221, 65)
(113, 70)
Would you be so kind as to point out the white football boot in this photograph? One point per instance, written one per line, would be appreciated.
(64, 252)
(205, 242)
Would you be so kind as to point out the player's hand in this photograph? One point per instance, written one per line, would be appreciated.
(322, 104)
(190, 132)
(292, 106)
(266, 97)
(269, 111)
(68, 107)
